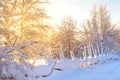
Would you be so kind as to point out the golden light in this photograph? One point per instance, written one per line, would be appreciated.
(12, 28)
(3, 39)
(37, 62)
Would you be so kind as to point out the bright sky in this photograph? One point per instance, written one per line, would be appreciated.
(80, 9)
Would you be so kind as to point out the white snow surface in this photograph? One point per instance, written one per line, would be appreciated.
(106, 69)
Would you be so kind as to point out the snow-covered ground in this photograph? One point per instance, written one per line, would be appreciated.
(107, 68)
(105, 71)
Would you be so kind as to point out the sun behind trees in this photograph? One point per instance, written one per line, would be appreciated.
(22, 23)
(25, 36)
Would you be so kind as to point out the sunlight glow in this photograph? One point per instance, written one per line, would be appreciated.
(37, 62)
(3, 39)
(60, 8)
(12, 28)
(78, 9)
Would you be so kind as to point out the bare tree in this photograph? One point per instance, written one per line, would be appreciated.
(66, 35)
(98, 33)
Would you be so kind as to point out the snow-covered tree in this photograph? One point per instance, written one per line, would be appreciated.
(98, 33)
(66, 36)
(23, 35)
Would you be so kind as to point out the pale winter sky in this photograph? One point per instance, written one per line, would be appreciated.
(80, 9)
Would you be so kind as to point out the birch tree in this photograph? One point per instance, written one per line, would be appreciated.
(97, 31)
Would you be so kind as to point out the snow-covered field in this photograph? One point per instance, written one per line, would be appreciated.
(105, 71)
(71, 70)
(107, 68)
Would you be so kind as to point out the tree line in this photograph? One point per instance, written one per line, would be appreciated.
(24, 35)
